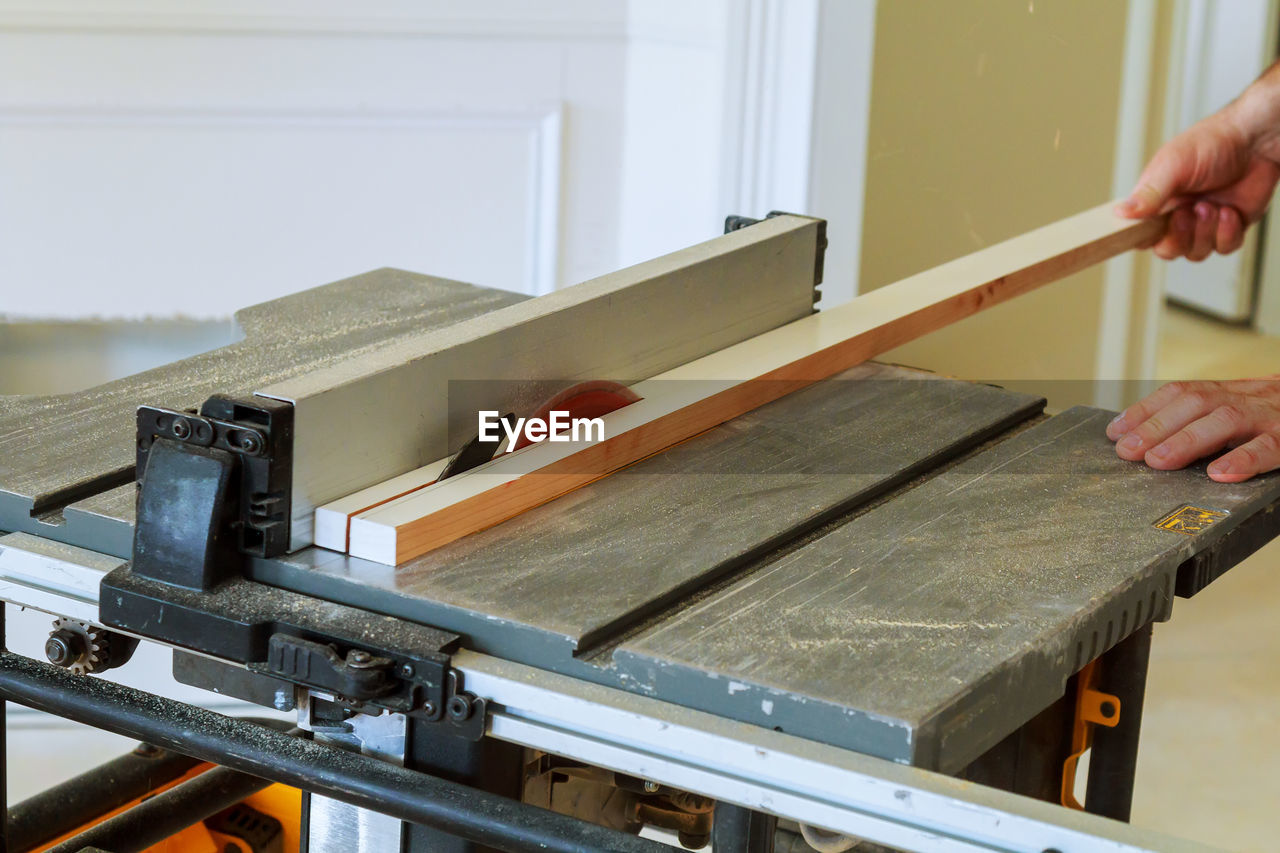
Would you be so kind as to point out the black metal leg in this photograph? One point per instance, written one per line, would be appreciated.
(166, 814)
(487, 765)
(739, 830)
(1113, 760)
(4, 750)
(352, 778)
(81, 800)
(1030, 760)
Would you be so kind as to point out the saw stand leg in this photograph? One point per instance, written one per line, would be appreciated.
(1113, 761)
(488, 764)
(735, 829)
(336, 827)
(1030, 761)
(4, 751)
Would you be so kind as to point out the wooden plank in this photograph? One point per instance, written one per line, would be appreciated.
(708, 391)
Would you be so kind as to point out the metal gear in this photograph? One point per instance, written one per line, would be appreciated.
(78, 646)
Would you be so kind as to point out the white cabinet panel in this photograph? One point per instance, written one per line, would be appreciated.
(161, 160)
(213, 212)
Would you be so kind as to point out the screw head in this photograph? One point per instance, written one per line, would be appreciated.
(359, 657)
(181, 428)
(459, 708)
(651, 787)
(250, 443)
(429, 708)
(406, 670)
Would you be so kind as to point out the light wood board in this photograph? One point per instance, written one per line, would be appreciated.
(708, 391)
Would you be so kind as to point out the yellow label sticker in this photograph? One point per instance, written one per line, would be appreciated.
(1190, 520)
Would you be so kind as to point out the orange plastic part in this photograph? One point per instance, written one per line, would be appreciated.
(1093, 708)
(278, 801)
(285, 805)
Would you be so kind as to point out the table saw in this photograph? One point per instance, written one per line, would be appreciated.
(889, 605)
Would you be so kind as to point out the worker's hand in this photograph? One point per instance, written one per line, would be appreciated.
(1213, 180)
(1216, 178)
(1187, 421)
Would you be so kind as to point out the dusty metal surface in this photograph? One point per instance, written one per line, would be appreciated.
(928, 628)
(57, 451)
(573, 574)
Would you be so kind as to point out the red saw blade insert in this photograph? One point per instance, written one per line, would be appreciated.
(592, 399)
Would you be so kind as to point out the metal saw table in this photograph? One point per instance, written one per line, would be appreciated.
(820, 610)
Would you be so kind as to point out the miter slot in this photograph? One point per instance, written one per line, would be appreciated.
(601, 653)
(48, 508)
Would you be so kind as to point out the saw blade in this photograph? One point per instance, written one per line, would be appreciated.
(592, 399)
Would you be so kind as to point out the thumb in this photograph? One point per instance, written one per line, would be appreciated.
(1160, 181)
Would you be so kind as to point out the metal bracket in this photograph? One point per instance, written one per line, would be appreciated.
(734, 222)
(364, 663)
(229, 469)
(1093, 708)
(213, 492)
(423, 686)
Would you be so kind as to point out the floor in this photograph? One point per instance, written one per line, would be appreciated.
(1211, 733)
(1195, 347)
(1211, 736)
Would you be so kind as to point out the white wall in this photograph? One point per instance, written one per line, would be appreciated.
(673, 108)
(842, 103)
(156, 162)
(160, 162)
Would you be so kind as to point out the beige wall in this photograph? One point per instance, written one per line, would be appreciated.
(1146, 298)
(989, 118)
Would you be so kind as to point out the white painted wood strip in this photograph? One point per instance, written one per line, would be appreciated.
(333, 519)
